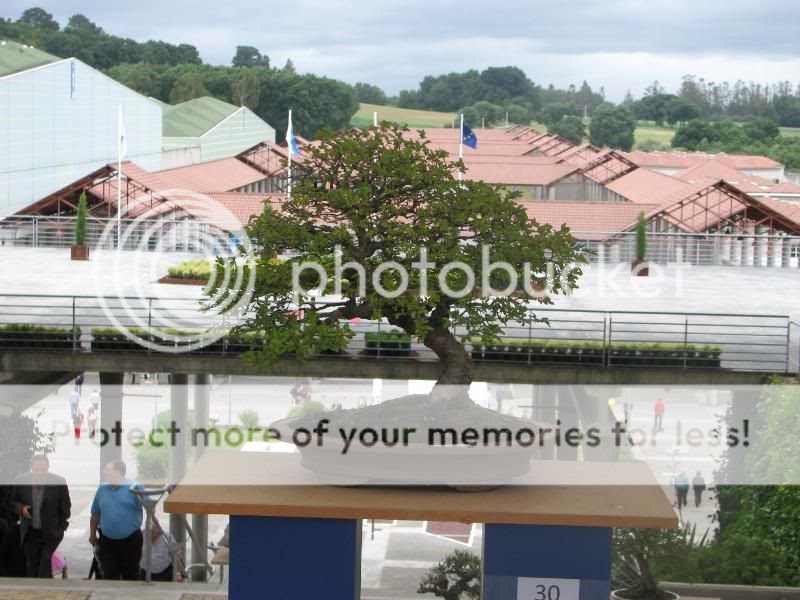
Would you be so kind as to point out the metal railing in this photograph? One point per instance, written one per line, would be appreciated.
(164, 235)
(745, 250)
(591, 338)
(186, 235)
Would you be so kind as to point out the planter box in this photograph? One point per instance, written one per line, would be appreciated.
(640, 268)
(79, 252)
(36, 340)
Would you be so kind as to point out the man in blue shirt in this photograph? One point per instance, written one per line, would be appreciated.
(117, 511)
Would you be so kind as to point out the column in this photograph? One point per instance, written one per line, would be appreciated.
(760, 242)
(726, 249)
(749, 250)
(179, 409)
(110, 417)
(601, 253)
(202, 393)
(614, 253)
(776, 257)
(788, 248)
(736, 255)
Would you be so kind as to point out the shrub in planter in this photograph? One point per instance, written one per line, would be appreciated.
(22, 336)
(309, 407)
(387, 343)
(249, 418)
(79, 250)
(113, 339)
(191, 269)
(152, 462)
(640, 267)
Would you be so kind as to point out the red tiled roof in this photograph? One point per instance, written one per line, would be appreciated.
(685, 160)
(516, 174)
(644, 186)
(225, 210)
(593, 220)
(222, 175)
(713, 169)
(789, 210)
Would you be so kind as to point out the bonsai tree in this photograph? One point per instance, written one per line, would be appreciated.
(80, 221)
(641, 238)
(457, 576)
(637, 550)
(410, 236)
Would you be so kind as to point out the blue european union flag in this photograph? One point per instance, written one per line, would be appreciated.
(469, 138)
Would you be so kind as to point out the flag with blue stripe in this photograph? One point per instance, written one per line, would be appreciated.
(291, 143)
(468, 137)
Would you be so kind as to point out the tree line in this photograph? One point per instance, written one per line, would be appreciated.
(175, 73)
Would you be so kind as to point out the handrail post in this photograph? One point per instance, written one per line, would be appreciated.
(607, 346)
(149, 325)
(74, 327)
(788, 347)
(530, 334)
(378, 341)
(685, 342)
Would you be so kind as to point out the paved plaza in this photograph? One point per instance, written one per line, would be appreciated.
(675, 288)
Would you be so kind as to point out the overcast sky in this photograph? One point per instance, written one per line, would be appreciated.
(620, 44)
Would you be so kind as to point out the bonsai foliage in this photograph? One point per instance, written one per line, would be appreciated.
(635, 551)
(641, 238)
(80, 221)
(457, 576)
(384, 200)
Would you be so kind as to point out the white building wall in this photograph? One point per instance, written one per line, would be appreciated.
(238, 132)
(52, 133)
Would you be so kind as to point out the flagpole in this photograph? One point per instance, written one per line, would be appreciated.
(119, 177)
(461, 146)
(289, 148)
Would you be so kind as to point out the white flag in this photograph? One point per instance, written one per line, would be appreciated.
(123, 138)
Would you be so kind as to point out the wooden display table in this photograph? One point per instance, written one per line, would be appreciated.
(302, 540)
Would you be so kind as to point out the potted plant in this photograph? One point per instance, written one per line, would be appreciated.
(457, 577)
(634, 551)
(640, 267)
(415, 211)
(79, 250)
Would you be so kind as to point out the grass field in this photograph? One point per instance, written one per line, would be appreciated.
(427, 118)
(662, 135)
(790, 131)
(406, 116)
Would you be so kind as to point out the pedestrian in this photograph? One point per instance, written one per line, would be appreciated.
(627, 407)
(94, 398)
(699, 486)
(682, 489)
(659, 408)
(74, 401)
(79, 383)
(42, 501)
(117, 512)
(59, 565)
(77, 422)
(12, 556)
(91, 419)
(160, 558)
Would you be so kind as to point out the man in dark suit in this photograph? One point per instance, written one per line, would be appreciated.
(41, 499)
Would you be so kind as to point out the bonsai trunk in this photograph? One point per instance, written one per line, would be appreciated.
(456, 364)
(648, 588)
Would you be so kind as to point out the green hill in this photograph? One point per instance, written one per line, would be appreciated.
(406, 116)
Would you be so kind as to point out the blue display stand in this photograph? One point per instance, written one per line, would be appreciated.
(303, 541)
(291, 558)
(546, 562)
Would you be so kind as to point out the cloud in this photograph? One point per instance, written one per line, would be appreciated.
(621, 44)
